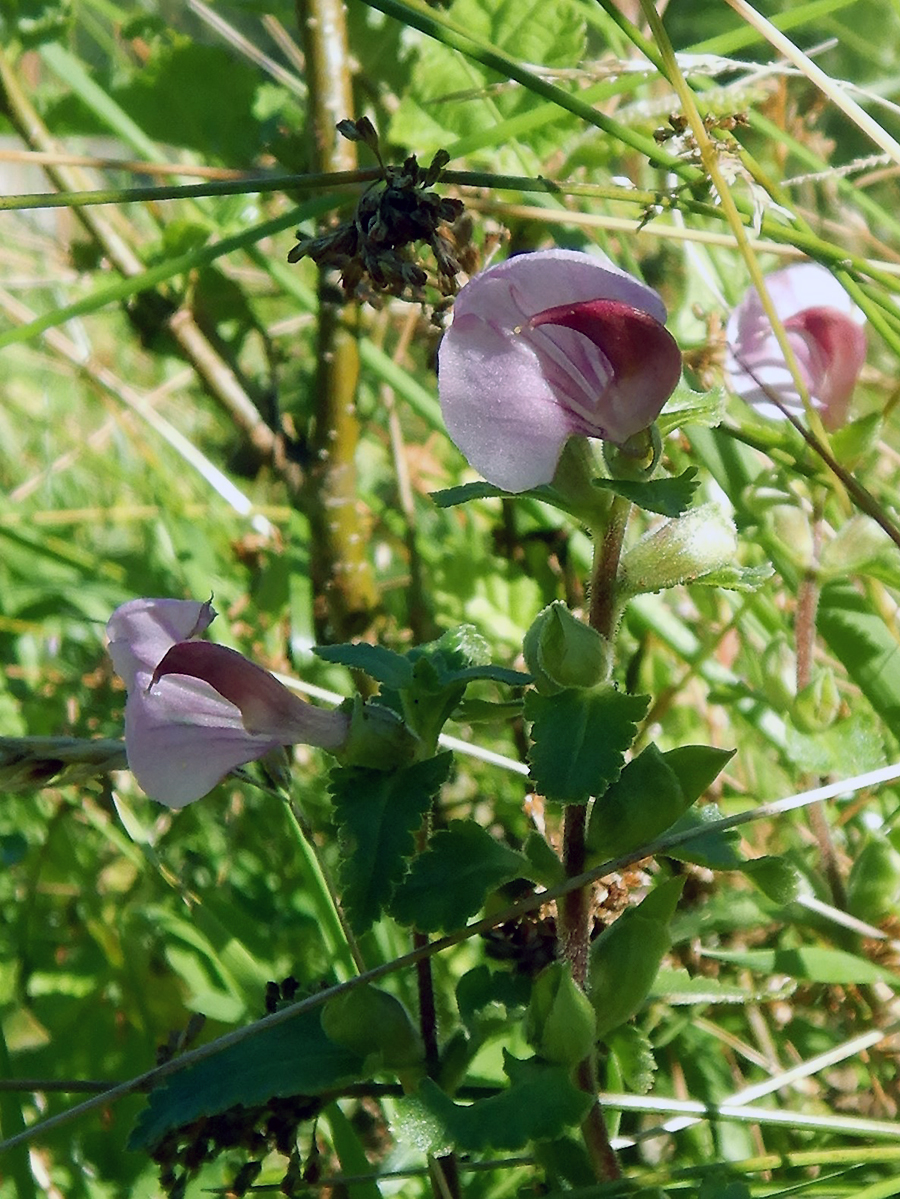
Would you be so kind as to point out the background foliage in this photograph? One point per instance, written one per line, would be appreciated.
(157, 434)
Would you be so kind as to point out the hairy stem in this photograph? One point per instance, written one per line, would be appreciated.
(575, 907)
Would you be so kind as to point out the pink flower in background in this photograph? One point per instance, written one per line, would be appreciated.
(547, 345)
(824, 328)
(196, 710)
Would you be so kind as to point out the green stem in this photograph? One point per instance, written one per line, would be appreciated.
(344, 591)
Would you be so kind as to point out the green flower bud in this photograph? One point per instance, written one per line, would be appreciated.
(873, 888)
(779, 674)
(560, 1023)
(369, 1021)
(790, 527)
(858, 543)
(817, 706)
(682, 550)
(561, 652)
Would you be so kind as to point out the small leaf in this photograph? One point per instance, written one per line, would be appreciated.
(669, 497)
(546, 868)
(293, 1058)
(834, 967)
(394, 670)
(714, 850)
(686, 407)
(643, 802)
(377, 813)
(634, 1057)
(540, 1104)
(777, 879)
(368, 1021)
(451, 496)
(697, 767)
(626, 956)
(560, 1023)
(677, 987)
(580, 739)
(480, 989)
(448, 883)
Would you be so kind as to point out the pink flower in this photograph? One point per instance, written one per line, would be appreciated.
(196, 710)
(547, 345)
(824, 328)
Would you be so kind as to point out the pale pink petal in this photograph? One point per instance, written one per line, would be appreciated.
(268, 709)
(825, 332)
(498, 407)
(514, 387)
(182, 742)
(644, 363)
(142, 630)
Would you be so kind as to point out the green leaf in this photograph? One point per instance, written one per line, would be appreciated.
(394, 670)
(377, 814)
(449, 497)
(293, 1058)
(540, 1103)
(546, 868)
(560, 1023)
(697, 767)
(834, 967)
(686, 407)
(580, 739)
(368, 1021)
(867, 648)
(679, 989)
(670, 497)
(482, 993)
(627, 954)
(775, 877)
(634, 1057)
(643, 802)
(448, 883)
(715, 850)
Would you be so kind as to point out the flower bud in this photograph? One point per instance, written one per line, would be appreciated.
(790, 527)
(873, 888)
(817, 705)
(561, 651)
(682, 550)
(560, 1023)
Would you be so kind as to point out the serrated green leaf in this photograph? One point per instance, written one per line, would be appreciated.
(394, 670)
(293, 1058)
(834, 967)
(449, 882)
(634, 1057)
(580, 739)
(377, 813)
(669, 497)
(540, 1103)
(643, 802)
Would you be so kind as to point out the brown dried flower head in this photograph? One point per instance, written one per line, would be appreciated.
(375, 247)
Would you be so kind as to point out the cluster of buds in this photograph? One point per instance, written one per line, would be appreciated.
(393, 215)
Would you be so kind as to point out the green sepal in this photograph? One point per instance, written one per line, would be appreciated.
(560, 1023)
(580, 739)
(627, 955)
(634, 1057)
